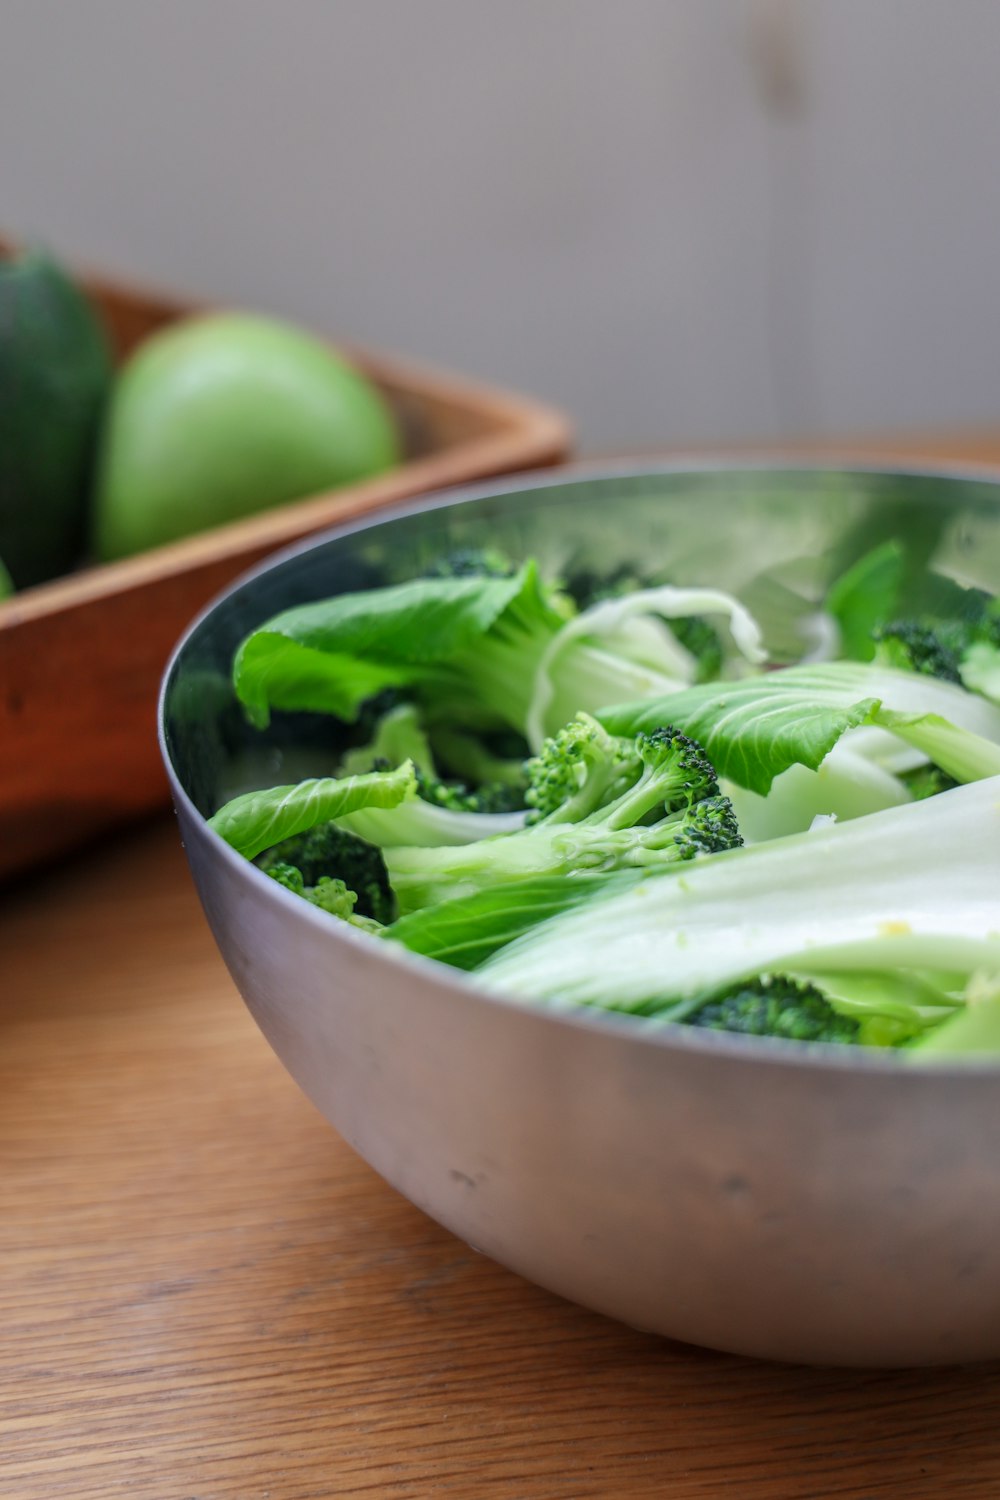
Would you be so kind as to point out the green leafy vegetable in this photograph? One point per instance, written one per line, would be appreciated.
(970, 1030)
(465, 932)
(625, 625)
(259, 820)
(331, 656)
(608, 867)
(666, 809)
(910, 888)
(331, 895)
(755, 729)
(771, 1005)
(335, 870)
(980, 670)
(476, 651)
(399, 736)
(867, 595)
(847, 784)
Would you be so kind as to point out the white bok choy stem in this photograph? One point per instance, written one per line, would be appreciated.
(608, 615)
(914, 887)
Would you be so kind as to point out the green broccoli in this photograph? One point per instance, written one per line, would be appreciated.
(354, 869)
(328, 894)
(588, 586)
(498, 798)
(472, 562)
(770, 1005)
(494, 797)
(912, 646)
(939, 641)
(578, 770)
(478, 653)
(963, 650)
(702, 641)
(892, 939)
(927, 781)
(287, 875)
(609, 804)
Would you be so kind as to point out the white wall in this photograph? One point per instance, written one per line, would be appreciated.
(590, 199)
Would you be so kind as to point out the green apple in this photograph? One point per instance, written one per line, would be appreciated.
(221, 416)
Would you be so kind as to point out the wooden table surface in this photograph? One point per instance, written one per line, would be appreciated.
(205, 1295)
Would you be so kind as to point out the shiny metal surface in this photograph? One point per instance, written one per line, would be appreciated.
(760, 1198)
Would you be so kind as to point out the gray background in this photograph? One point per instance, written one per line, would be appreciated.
(679, 219)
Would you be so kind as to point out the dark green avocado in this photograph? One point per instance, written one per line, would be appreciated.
(55, 373)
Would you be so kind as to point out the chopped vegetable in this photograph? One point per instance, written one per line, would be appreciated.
(648, 820)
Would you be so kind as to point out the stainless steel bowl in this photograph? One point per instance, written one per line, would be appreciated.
(757, 1197)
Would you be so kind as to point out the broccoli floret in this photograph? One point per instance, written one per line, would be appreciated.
(940, 646)
(489, 652)
(964, 650)
(457, 797)
(494, 797)
(497, 797)
(711, 829)
(330, 851)
(891, 939)
(772, 1005)
(935, 650)
(704, 643)
(288, 875)
(334, 897)
(652, 801)
(676, 773)
(328, 894)
(472, 562)
(453, 795)
(588, 587)
(577, 771)
(927, 781)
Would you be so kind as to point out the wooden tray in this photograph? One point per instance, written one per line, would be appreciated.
(81, 657)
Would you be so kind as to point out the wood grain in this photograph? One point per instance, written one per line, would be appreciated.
(206, 1296)
(81, 657)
